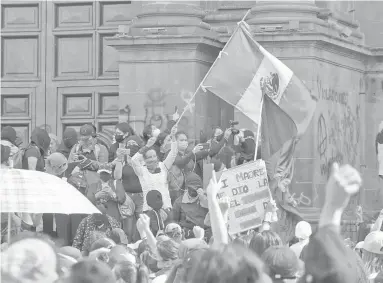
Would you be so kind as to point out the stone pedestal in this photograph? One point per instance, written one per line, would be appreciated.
(163, 56)
(325, 50)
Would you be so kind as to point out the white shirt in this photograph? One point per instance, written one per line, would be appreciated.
(158, 181)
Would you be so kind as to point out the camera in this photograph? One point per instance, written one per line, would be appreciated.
(234, 131)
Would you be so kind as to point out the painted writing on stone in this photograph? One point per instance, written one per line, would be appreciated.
(338, 128)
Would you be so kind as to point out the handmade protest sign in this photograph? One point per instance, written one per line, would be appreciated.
(248, 189)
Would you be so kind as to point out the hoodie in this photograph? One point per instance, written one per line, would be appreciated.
(41, 139)
(70, 138)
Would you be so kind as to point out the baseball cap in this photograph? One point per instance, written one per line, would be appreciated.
(172, 228)
(105, 168)
(282, 262)
(303, 230)
(87, 130)
(373, 242)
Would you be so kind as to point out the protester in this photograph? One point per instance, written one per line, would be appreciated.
(127, 146)
(56, 164)
(95, 222)
(153, 176)
(54, 144)
(150, 131)
(156, 213)
(8, 138)
(162, 144)
(303, 233)
(70, 138)
(108, 194)
(263, 240)
(283, 264)
(90, 271)
(191, 208)
(372, 254)
(124, 136)
(29, 260)
(33, 159)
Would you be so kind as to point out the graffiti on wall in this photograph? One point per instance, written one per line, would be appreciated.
(338, 128)
(158, 108)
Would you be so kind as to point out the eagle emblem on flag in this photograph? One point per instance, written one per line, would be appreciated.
(270, 85)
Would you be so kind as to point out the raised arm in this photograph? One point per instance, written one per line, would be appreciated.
(214, 150)
(136, 162)
(169, 160)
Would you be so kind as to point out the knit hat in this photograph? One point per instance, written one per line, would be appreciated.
(56, 164)
(373, 242)
(8, 133)
(70, 137)
(303, 230)
(41, 138)
(154, 199)
(193, 181)
(5, 153)
(87, 130)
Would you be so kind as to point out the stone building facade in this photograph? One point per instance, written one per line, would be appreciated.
(65, 63)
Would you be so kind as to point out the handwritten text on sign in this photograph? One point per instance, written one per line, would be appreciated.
(248, 189)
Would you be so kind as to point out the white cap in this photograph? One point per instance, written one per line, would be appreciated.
(303, 230)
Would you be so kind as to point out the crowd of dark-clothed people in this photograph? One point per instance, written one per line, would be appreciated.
(158, 223)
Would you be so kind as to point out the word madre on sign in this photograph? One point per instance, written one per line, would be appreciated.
(248, 188)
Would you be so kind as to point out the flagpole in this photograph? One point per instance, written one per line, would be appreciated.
(258, 129)
(208, 72)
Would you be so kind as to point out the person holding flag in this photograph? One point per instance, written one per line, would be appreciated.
(270, 94)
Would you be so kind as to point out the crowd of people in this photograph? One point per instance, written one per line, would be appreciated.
(159, 224)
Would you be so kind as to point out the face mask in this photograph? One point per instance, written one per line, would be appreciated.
(183, 145)
(156, 133)
(119, 138)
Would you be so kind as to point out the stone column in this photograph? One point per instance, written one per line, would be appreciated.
(163, 57)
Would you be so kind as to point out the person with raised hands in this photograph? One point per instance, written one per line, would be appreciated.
(152, 173)
(326, 257)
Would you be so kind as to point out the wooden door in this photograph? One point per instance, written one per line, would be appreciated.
(82, 71)
(23, 57)
(57, 70)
